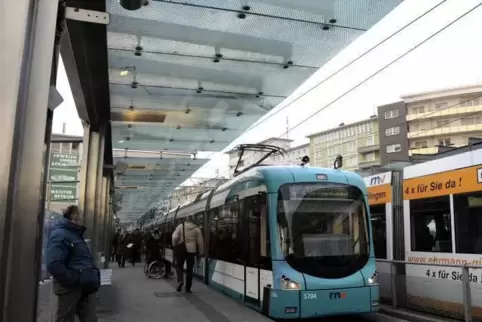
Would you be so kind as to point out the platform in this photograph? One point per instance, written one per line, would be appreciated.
(133, 297)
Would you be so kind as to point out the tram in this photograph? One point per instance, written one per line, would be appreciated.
(430, 213)
(292, 242)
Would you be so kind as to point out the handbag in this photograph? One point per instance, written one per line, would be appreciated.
(180, 248)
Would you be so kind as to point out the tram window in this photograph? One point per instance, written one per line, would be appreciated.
(430, 225)
(379, 228)
(257, 232)
(213, 241)
(199, 221)
(468, 223)
(225, 238)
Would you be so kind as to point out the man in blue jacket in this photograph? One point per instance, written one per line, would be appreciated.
(70, 262)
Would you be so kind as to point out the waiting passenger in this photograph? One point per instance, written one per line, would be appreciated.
(188, 242)
(71, 264)
(122, 242)
(135, 251)
(114, 240)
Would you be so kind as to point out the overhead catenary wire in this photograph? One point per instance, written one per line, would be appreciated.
(338, 71)
(370, 76)
(381, 69)
(345, 66)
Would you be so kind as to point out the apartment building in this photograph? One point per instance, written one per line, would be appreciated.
(358, 143)
(425, 123)
(292, 156)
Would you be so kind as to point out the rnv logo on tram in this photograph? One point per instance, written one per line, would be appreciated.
(337, 295)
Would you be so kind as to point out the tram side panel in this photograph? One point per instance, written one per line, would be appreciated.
(443, 225)
(380, 201)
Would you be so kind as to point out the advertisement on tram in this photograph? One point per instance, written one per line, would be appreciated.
(443, 225)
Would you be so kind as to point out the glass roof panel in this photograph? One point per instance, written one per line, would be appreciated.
(192, 75)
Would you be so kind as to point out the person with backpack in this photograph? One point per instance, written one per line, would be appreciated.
(188, 242)
(76, 279)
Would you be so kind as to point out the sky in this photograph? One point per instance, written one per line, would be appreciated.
(450, 59)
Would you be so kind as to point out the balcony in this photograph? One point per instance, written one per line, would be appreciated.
(444, 131)
(368, 164)
(431, 150)
(369, 148)
(451, 111)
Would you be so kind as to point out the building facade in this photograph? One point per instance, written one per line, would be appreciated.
(186, 194)
(357, 142)
(393, 129)
(433, 121)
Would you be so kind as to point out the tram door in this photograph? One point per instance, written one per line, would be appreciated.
(254, 215)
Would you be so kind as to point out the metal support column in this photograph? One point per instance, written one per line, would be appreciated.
(101, 223)
(90, 187)
(106, 230)
(98, 199)
(83, 167)
(111, 223)
(27, 46)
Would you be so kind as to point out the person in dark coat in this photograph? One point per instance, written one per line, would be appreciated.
(153, 247)
(122, 242)
(70, 262)
(114, 244)
(135, 250)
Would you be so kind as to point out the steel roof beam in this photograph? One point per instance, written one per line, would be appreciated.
(200, 36)
(326, 9)
(148, 65)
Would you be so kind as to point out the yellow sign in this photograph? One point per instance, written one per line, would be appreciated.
(444, 183)
(379, 194)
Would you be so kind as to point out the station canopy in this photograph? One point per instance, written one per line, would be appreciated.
(191, 75)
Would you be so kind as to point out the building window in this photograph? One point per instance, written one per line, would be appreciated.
(65, 147)
(331, 151)
(443, 123)
(467, 102)
(392, 131)
(471, 120)
(55, 147)
(421, 145)
(444, 142)
(350, 146)
(394, 148)
(75, 147)
(370, 140)
(351, 162)
(370, 157)
(441, 106)
(418, 109)
(391, 114)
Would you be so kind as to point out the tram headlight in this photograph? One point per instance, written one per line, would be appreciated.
(373, 280)
(288, 284)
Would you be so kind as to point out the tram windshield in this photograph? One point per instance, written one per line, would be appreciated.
(323, 228)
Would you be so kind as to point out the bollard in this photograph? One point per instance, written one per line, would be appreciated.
(466, 292)
(393, 277)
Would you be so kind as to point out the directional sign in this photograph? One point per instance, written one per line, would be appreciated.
(64, 172)
(58, 193)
